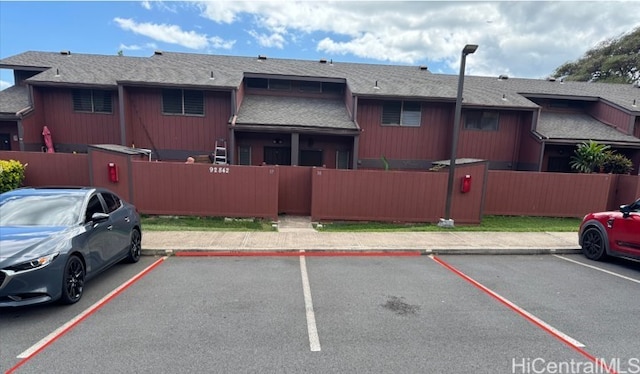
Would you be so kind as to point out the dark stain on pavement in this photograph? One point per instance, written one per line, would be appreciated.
(399, 306)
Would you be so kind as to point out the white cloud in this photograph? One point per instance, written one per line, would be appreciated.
(526, 38)
(274, 40)
(219, 43)
(146, 4)
(173, 34)
(132, 47)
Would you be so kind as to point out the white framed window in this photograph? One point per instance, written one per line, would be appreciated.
(401, 113)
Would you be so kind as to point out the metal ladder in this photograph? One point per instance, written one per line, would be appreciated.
(220, 152)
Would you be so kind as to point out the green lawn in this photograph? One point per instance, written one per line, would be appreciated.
(489, 223)
(189, 223)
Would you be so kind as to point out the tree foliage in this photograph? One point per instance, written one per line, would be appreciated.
(615, 60)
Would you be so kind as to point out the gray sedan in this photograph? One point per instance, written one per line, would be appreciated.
(52, 240)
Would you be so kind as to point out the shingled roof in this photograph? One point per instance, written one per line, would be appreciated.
(572, 127)
(197, 70)
(13, 100)
(262, 110)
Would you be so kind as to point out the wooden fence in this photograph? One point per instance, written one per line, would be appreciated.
(173, 188)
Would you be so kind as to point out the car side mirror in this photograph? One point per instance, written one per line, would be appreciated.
(99, 217)
(626, 209)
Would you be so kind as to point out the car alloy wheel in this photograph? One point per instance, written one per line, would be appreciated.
(73, 280)
(593, 244)
(135, 248)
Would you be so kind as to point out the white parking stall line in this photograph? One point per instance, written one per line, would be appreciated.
(599, 269)
(314, 340)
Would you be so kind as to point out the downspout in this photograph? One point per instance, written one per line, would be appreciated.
(123, 124)
(20, 114)
(544, 144)
(231, 151)
(232, 140)
(356, 138)
(534, 127)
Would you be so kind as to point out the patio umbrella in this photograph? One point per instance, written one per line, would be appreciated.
(47, 139)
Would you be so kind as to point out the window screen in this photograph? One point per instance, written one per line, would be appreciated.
(98, 101)
(177, 101)
(391, 111)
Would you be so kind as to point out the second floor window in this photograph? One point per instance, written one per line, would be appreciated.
(92, 101)
(481, 120)
(401, 113)
(186, 102)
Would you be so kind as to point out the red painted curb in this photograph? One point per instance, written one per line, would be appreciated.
(297, 254)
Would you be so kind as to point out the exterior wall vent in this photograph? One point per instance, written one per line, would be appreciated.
(66, 53)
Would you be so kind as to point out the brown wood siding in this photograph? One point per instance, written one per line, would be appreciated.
(239, 98)
(430, 141)
(294, 190)
(636, 131)
(32, 124)
(348, 101)
(530, 151)
(500, 145)
(76, 128)
(52, 169)
(154, 130)
(611, 116)
(203, 190)
(547, 194)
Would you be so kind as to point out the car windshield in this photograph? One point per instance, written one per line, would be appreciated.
(40, 210)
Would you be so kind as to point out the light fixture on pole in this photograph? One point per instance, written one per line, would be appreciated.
(447, 221)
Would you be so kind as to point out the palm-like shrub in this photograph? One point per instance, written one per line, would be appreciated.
(589, 157)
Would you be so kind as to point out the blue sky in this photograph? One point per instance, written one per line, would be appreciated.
(527, 39)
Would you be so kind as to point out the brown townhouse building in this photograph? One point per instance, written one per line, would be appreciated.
(311, 113)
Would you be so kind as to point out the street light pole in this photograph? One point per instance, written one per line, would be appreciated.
(447, 221)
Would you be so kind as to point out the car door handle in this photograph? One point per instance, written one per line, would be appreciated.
(110, 227)
(127, 219)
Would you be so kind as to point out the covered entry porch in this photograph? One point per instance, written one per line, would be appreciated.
(295, 148)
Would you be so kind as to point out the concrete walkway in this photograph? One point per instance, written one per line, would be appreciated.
(299, 235)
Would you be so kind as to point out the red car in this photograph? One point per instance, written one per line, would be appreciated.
(612, 233)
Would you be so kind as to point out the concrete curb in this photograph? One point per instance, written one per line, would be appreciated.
(357, 252)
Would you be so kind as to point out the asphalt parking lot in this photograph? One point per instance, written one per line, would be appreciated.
(402, 314)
